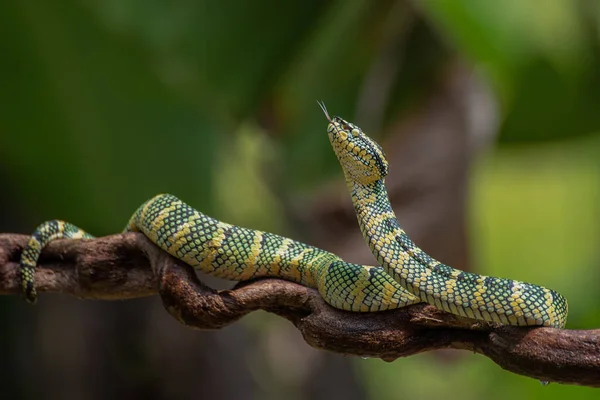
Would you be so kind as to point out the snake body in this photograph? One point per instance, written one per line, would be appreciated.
(407, 275)
(236, 253)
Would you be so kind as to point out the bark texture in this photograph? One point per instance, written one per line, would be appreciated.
(128, 266)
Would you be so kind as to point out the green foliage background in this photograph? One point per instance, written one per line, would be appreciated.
(104, 104)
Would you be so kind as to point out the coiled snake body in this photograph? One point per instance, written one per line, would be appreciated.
(407, 275)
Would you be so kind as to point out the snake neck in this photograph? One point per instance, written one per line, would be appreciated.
(375, 216)
(455, 291)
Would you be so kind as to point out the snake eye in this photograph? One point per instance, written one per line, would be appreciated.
(355, 132)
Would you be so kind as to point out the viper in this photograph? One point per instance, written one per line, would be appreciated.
(405, 274)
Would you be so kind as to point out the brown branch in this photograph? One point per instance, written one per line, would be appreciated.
(128, 265)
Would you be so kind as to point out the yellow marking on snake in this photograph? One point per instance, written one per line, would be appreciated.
(294, 265)
(276, 264)
(252, 258)
(179, 240)
(211, 252)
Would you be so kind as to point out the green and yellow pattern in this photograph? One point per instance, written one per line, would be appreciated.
(407, 275)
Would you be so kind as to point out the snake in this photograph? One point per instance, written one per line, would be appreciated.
(405, 274)
(478, 297)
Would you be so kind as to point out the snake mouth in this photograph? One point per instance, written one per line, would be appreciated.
(336, 124)
(331, 127)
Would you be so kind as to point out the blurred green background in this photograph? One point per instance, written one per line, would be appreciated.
(487, 110)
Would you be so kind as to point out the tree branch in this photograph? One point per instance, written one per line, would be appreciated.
(128, 265)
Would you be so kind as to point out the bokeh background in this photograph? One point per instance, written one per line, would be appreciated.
(488, 111)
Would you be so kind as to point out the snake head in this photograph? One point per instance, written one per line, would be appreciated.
(362, 158)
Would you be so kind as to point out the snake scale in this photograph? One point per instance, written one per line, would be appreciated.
(406, 274)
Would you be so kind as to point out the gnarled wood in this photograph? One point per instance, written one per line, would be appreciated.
(128, 265)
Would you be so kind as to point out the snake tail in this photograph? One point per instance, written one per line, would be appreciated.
(44, 234)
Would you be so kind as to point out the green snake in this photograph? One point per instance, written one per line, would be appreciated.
(406, 275)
